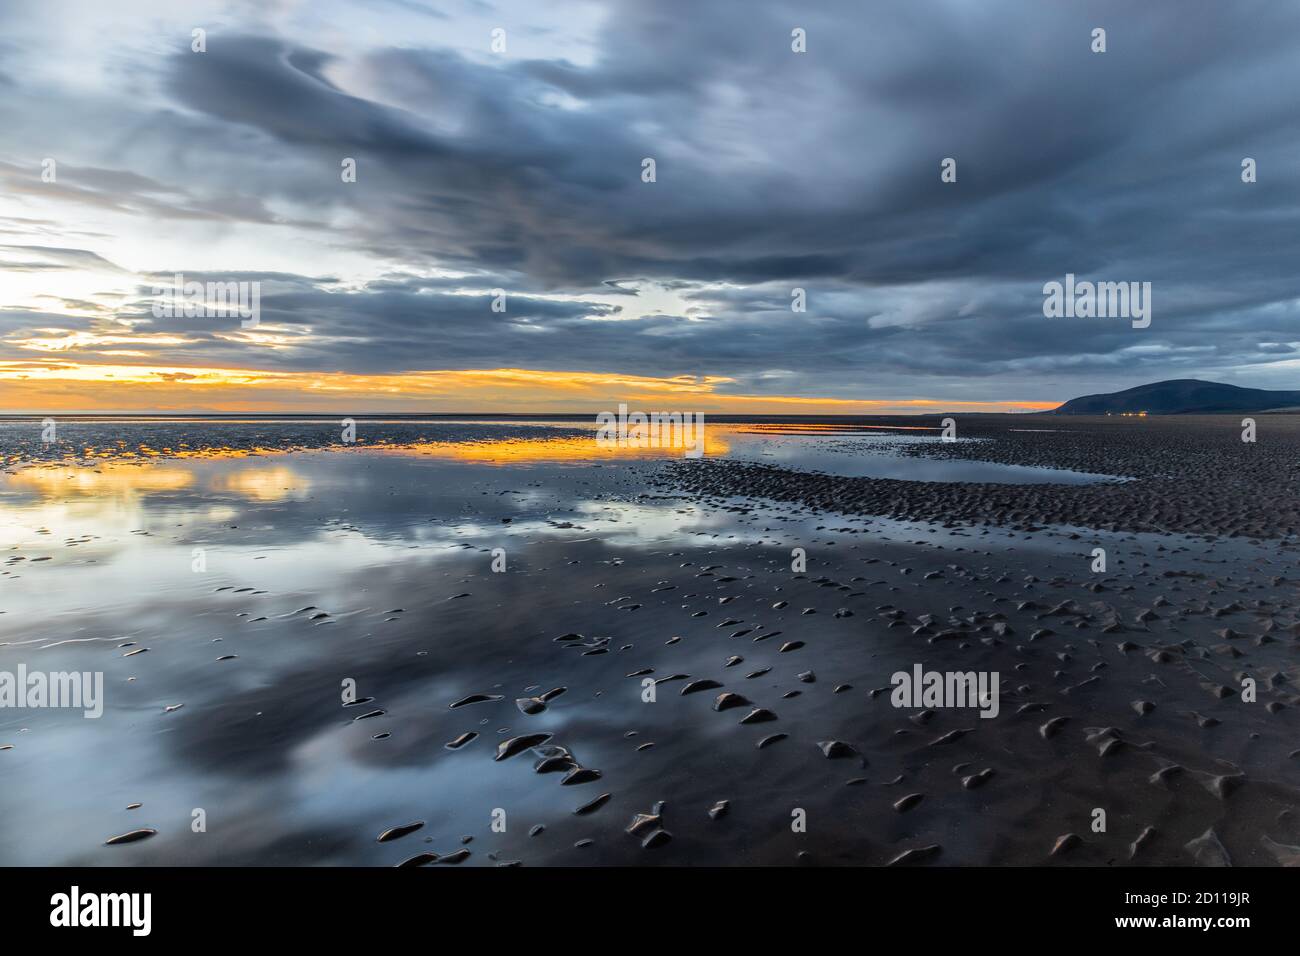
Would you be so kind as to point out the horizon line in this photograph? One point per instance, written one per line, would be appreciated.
(15, 415)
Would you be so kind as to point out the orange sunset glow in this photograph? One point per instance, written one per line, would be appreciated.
(37, 387)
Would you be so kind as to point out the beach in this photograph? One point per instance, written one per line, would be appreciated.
(485, 643)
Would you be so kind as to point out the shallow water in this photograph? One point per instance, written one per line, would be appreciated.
(263, 738)
(878, 457)
(868, 451)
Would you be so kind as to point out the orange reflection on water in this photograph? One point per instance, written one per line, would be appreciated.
(273, 483)
(108, 480)
(223, 451)
(560, 449)
(146, 470)
(133, 478)
(799, 428)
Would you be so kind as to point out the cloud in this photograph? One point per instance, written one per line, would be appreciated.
(774, 170)
(51, 258)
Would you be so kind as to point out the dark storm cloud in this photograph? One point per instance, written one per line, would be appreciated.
(775, 169)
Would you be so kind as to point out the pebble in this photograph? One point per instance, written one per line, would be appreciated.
(396, 833)
(508, 748)
(132, 836)
(917, 855)
(727, 700)
(593, 805)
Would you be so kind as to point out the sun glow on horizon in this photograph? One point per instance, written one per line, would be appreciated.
(40, 386)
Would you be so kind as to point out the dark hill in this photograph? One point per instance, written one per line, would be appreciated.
(1183, 396)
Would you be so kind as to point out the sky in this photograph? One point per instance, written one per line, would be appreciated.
(500, 247)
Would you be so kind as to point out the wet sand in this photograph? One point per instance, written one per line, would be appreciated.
(522, 691)
(1191, 475)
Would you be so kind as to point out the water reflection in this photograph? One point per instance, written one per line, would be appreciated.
(316, 567)
(577, 449)
(272, 483)
(107, 480)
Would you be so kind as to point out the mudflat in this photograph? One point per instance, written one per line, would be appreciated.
(488, 644)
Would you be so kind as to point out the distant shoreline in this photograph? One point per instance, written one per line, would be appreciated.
(722, 418)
